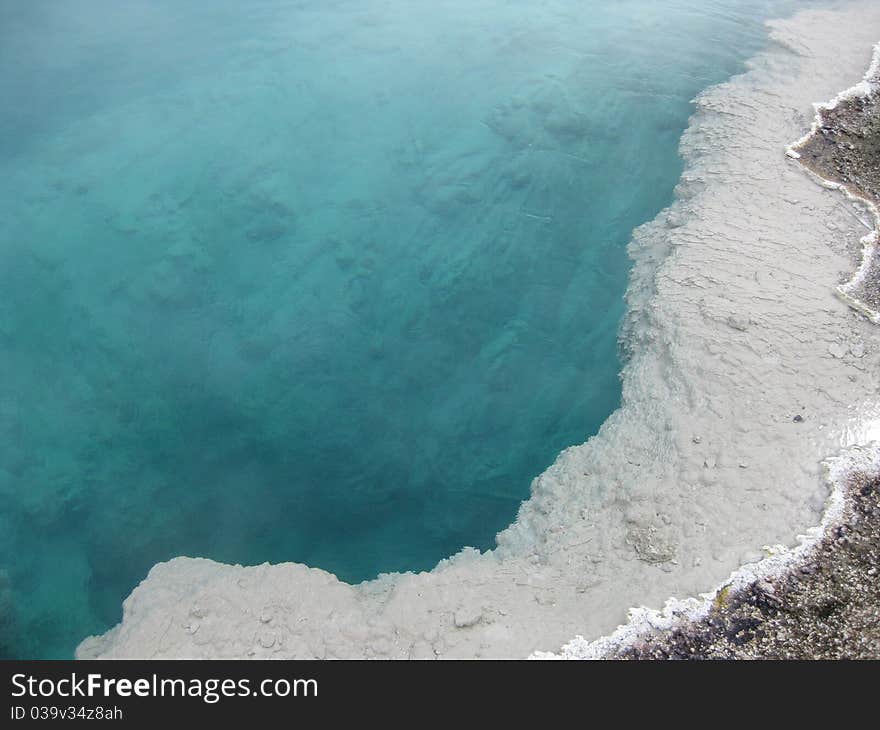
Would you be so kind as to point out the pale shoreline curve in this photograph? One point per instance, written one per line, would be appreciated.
(651, 626)
(745, 372)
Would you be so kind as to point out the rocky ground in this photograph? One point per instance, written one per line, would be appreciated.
(846, 147)
(846, 150)
(828, 605)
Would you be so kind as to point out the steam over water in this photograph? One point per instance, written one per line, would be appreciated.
(326, 282)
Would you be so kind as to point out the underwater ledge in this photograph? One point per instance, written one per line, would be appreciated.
(745, 372)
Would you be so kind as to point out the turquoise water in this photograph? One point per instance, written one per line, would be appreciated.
(328, 282)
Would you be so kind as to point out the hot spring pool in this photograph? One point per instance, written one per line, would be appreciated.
(325, 282)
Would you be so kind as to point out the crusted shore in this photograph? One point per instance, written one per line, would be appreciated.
(821, 601)
(825, 606)
(746, 372)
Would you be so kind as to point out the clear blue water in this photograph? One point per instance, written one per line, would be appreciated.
(328, 282)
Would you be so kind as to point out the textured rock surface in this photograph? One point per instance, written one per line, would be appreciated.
(745, 372)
